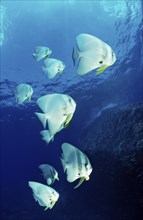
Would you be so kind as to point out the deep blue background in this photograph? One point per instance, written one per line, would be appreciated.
(55, 24)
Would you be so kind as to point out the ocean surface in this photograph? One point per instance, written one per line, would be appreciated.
(26, 24)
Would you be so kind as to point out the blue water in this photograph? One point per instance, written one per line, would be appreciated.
(26, 24)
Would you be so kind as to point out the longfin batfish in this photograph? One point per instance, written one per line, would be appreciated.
(58, 110)
(49, 173)
(75, 163)
(41, 52)
(23, 91)
(53, 67)
(44, 195)
(91, 53)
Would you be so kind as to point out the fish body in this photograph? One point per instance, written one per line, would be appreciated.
(53, 67)
(46, 196)
(75, 163)
(92, 53)
(41, 52)
(58, 110)
(23, 92)
(49, 173)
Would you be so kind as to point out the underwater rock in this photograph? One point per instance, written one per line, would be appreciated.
(114, 142)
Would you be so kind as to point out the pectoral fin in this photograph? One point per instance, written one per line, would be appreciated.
(80, 182)
(45, 208)
(101, 69)
(68, 119)
(29, 98)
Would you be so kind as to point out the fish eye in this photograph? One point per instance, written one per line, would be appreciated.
(101, 61)
(70, 100)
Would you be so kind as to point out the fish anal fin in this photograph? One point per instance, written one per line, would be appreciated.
(83, 67)
(43, 118)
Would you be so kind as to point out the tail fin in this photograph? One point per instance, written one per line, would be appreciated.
(44, 69)
(46, 136)
(34, 55)
(43, 118)
(75, 55)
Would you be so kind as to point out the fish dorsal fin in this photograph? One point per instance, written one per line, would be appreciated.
(86, 41)
(49, 61)
(44, 102)
(68, 151)
(38, 48)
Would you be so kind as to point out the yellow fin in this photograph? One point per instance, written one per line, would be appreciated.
(68, 119)
(29, 98)
(101, 69)
(80, 182)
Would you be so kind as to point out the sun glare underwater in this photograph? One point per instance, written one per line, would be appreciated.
(71, 110)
